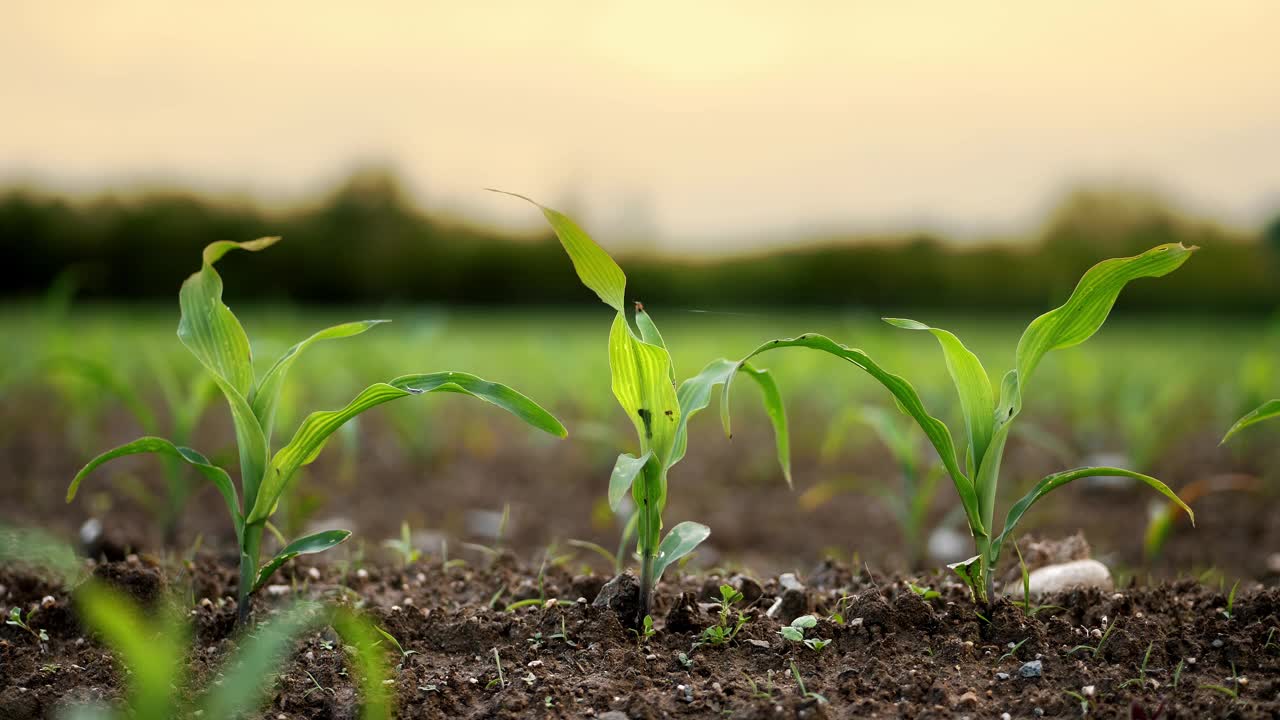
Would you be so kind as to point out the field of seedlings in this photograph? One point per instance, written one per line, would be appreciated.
(286, 513)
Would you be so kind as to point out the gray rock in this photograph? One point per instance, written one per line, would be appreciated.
(789, 582)
(1065, 576)
(1033, 669)
(1002, 676)
(612, 715)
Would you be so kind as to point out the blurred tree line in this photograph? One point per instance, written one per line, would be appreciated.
(366, 242)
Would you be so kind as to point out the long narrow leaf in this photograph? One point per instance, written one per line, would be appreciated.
(681, 541)
(1057, 480)
(151, 651)
(267, 394)
(695, 394)
(316, 429)
(309, 545)
(161, 446)
(1090, 303)
(903, 393)
(977, 399)
(595, 268)
(1265, 411)
(256, 664)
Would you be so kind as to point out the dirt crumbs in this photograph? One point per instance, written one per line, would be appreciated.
(878, 648)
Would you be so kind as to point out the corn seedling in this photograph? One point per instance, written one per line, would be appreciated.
(211, 332)
(403, 546)
(987, 421)
(643, 380)
(153, 652)
(1229, 611)
(17, 620)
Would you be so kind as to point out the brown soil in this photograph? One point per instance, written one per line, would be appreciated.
(895, 656)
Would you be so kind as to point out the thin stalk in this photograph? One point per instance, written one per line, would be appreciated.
(646, 586)
(248, 570)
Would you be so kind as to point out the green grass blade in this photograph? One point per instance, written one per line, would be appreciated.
(680, 541)
(268, 392)
(1057, 480)
(977, 399)
(314, 433)
(595, 268)
(211, 472)
(1090, 303)
(1265, 411)
(309, 545)
(370, 660)
(625, 470)
(695, 394)
(908, 400)
(256, 664)
(151, 651)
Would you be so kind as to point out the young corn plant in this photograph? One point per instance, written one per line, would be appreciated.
(153, 650)
(644, 384)
(988, 417)
(212, 333)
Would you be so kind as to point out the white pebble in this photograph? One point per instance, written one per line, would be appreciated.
(535, 663)
(278, 590)
(47, 602)
(362, 574)
(313, 573)
(1087, 690)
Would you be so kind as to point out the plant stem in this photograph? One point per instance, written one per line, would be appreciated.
(248, 570)
(646, 586)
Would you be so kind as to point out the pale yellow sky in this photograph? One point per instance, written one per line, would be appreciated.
(711, 125)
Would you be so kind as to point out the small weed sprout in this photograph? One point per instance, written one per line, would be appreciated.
(646, 630)
(1084, 701)
(1177, 673)
(500, 681)
(1013, 650)
(391, 639)
(925, 593)
(804, 692)
(795, 633)
(211, 332)
(1229, 612)
(724, 631)
(756, 692)
(1269, 643)
(1141, 680)
(17, 620)
(1095, 650)
(1027, 606)
(1233, 691)
(975, 471)
(403, 546)
(644, 384)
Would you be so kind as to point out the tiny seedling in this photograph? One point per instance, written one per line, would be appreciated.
(685, 661)
(1233, 691)
(804, 692)
(842, 606)
(756, 692)
(1027, 606)
(1141, 680)
(391, 639)
(211, 332)
(646, 630)
(1269, 642)
(17, 620)
(1013, 650)
(724, 630)
(795, 633)
(989, 422)
(500, 681)
(1177, 673)
(403, 546)
(1229, 612)
(1084, 701)
(924, 592)
(1095, 650)
(644, 384)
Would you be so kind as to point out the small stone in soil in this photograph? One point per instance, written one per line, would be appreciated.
(1002, 676)
(612, 715)
(1032, 669)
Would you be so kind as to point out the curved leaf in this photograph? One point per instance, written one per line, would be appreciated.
(681, 541)
(313, 434)
(1090, 303)
(1265, 411)
(267, 394)
(1057, 480)
(309, 545)
(902, 391)
(211, 472)
(625, 470)
(595, 268)
(695, 394)
(642, 384)
(977, 399)
(649, 333)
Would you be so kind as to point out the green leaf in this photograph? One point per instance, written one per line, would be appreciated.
(256, 663)
(211, 472)
(309, 545)
(153, 652)
(642, 384)
(805, 622)
(624, 473)
(907, 398)
(649, 333)
(972, 383)
(1265, 411)
(370, 660)
(1090, 303)
(315, 430)
(681, 541)
(212, 333)
(1048, 484)
(695, 394)
(968, 570)
(267, 395)
(595, 268)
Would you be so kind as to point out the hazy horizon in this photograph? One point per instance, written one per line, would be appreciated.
(704, 128)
